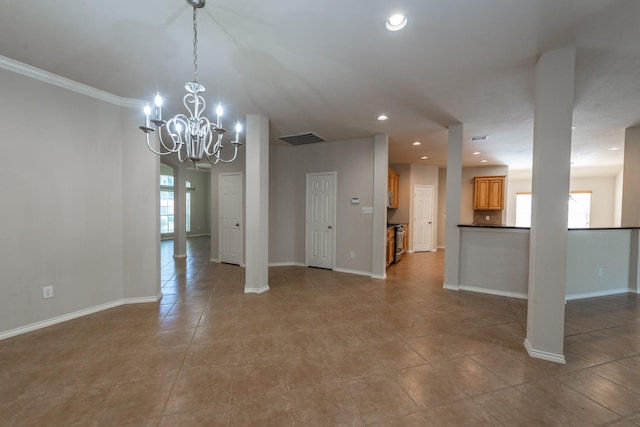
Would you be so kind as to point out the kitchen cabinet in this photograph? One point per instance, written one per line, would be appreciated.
(392, 189)
(488, 193)
(391, 247)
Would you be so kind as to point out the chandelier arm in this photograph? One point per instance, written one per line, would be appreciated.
(153, 150)
(180, 155)
(213, 162)
(180, 124)
(235, 154)
(161, 140)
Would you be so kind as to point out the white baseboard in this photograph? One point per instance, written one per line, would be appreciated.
(358, 272)
(198, 235)
(599, 294)
(286, 264)
(379, 276)
(450, 287)
(544, 355)
(256, 290)
(87, 311)
(142, 300)
(493, 292)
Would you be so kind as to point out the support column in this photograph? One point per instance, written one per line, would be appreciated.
(257, 205)
(180, 212)
(379, 232)
(553, 116)
(631, 179)
(452, 215)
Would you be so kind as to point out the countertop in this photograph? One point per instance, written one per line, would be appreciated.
(503, 226)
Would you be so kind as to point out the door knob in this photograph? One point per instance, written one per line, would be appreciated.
(237, 224)
(329, 227)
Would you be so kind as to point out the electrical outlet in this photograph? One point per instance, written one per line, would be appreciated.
(353, 255)
(47, 292)
(487, 217)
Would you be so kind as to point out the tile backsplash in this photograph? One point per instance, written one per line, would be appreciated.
(480, 217)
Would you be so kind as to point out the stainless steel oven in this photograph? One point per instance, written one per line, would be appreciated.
(401, 234)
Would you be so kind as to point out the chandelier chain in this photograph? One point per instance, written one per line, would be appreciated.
(195, 45)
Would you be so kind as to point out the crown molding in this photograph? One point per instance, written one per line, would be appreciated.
(65, 83)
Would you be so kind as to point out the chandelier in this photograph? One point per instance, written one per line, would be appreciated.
(192, 137)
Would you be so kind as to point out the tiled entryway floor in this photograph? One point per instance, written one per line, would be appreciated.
(321, 349)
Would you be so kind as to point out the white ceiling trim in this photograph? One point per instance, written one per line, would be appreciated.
(65, 83)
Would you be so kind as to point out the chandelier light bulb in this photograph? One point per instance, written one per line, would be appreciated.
(238, 127)
(219, 110)
(147, 119)
(158, 100)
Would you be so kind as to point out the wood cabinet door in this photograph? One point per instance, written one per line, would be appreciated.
(390, 247)
(488, 193)
(392, 188)
(481, 196)
(496, 194)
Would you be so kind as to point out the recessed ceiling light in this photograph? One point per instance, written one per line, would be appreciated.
(475, 153)
(479, 138)
(396, 22)
(383, 117)
(416, 143)
(614, 148)
(483, 161)
(424, 157)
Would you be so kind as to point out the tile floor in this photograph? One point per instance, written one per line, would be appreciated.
(321, 349)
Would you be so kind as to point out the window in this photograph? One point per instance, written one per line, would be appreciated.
(579, 209)
(167, 205)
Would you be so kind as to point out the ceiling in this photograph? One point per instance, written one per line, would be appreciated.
(331, 67)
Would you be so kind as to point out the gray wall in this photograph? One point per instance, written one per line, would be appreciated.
(200, 201)
(80, 197)
(353, 162)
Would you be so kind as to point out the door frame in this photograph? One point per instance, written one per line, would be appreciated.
(220, 237)
(333, 216)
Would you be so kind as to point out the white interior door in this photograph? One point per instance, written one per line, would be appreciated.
(230, 217)
(422, 218)
(320, 228)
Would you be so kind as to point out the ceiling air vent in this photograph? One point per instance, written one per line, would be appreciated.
(302, 138)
